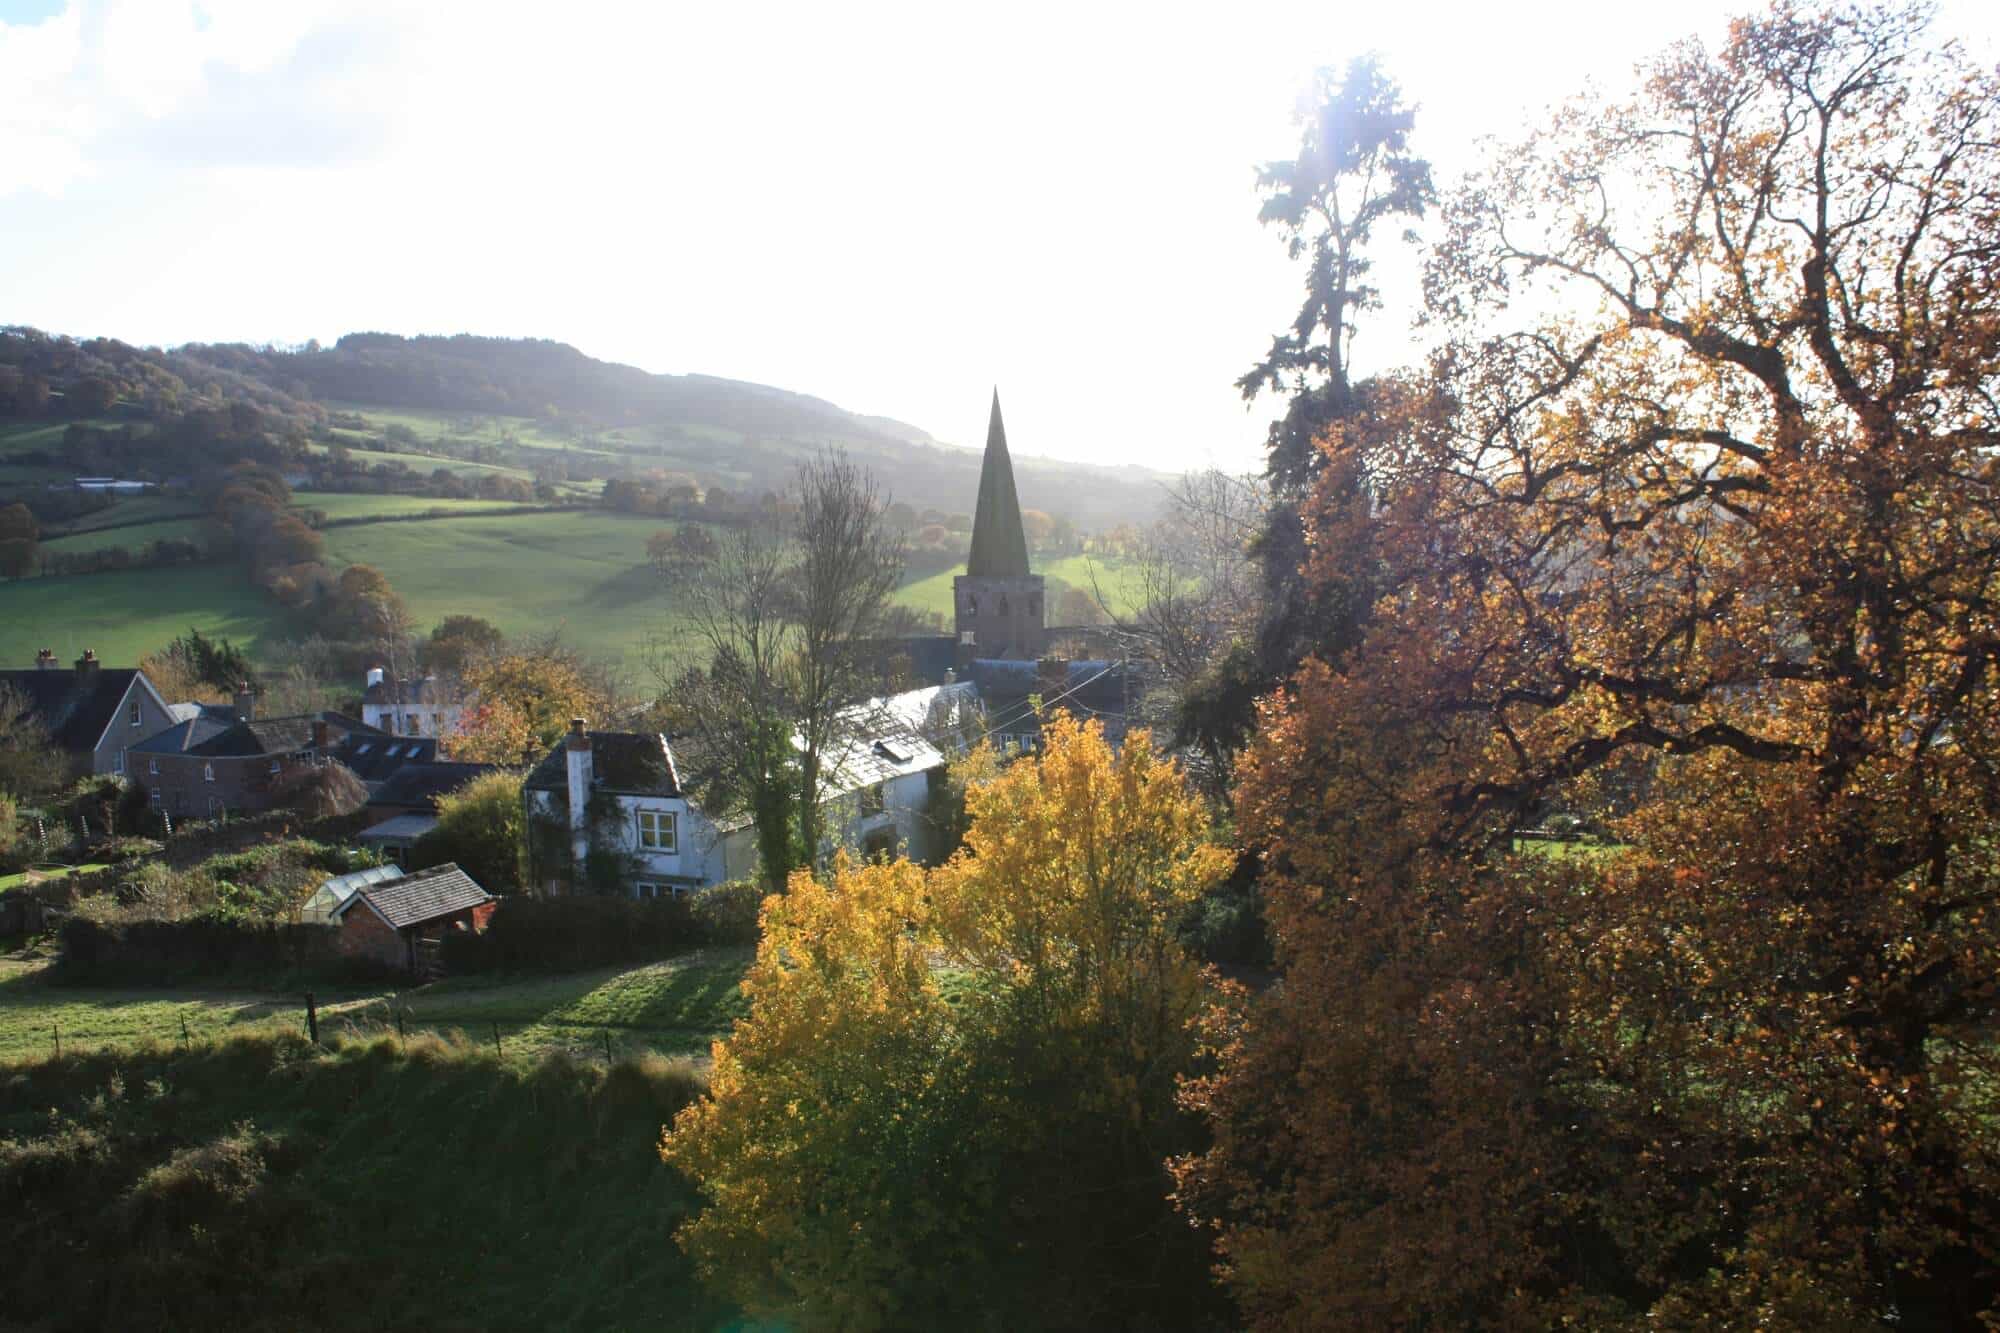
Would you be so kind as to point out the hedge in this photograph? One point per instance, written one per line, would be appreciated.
(562, 934)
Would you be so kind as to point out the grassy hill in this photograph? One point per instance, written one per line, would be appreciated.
(263, 1183)
(247, 1179)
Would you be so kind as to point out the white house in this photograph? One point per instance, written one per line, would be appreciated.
(427, 707)
(620, 793)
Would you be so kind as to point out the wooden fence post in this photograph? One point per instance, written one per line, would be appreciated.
(606, 1033)
(400, 1033)
(497, 1049)
(312, 1019)
(58, 1031)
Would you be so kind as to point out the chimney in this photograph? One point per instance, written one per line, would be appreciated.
(246, 702)
(1051, 677)
(374, 676)
(577, 750)
(45, 660)
(319, 733)
(87, 665)
(950, 676)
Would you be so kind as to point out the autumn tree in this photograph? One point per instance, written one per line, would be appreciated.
(877, 1156)
(524, 703)
(457, 641)
(1708, 552)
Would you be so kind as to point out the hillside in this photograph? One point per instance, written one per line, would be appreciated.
(529, 406)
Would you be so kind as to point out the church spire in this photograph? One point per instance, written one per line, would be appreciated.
(999, 547)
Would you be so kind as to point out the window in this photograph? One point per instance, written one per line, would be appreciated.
(275, 768)
(643, 889)
(208, 773)
(657, 832)
(874, 799)
(154, 797)
(437, 724)
(153, 767)
(364, 747)
(414, 724)
(133, 713)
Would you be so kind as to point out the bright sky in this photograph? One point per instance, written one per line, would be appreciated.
(893, 207)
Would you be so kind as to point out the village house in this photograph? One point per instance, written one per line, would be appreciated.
(209, 766)
(404, 807)
(403, 921)
(92, 712)
(430, 706)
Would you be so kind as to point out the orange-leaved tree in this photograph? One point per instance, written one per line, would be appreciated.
(952, 1101)
(523, 703)
(1709, 553)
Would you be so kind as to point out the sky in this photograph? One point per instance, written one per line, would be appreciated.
(894, 207)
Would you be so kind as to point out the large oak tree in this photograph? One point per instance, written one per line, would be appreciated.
(1692, 528)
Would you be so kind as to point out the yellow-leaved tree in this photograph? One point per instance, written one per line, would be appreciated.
(953, 1098)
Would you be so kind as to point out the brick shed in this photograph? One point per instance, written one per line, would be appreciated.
(400, 921)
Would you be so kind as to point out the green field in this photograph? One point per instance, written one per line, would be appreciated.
(135, 536)
(349, 504)
(585, 573)
(129, 614)
(675, 1007)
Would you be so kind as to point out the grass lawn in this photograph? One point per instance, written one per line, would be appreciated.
(37, 874)
(674, 1007)
(126, 615)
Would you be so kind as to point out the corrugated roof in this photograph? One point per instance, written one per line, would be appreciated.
(415, 899)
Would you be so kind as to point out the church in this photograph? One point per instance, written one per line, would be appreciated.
(1002, 645)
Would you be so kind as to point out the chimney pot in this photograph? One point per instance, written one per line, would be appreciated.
(578, 739)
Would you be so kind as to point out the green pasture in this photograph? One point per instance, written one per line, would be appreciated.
(585, 573)
(129, 614)
(134, 536)
(480, 427)
(350, 504)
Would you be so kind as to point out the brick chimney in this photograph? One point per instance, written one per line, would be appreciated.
(576, 750)
(45, 660)
(86, 666)
(246, 702)
(319, 734)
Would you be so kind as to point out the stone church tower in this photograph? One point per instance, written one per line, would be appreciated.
(998, 603)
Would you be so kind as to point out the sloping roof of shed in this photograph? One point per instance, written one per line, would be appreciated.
(415, 899)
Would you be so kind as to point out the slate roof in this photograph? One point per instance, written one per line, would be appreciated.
(376, 756)
(183, 737)
(415, 899)
(75, 707)
(419, 785)
(999, 546)
(211, 738)
(622, 761)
